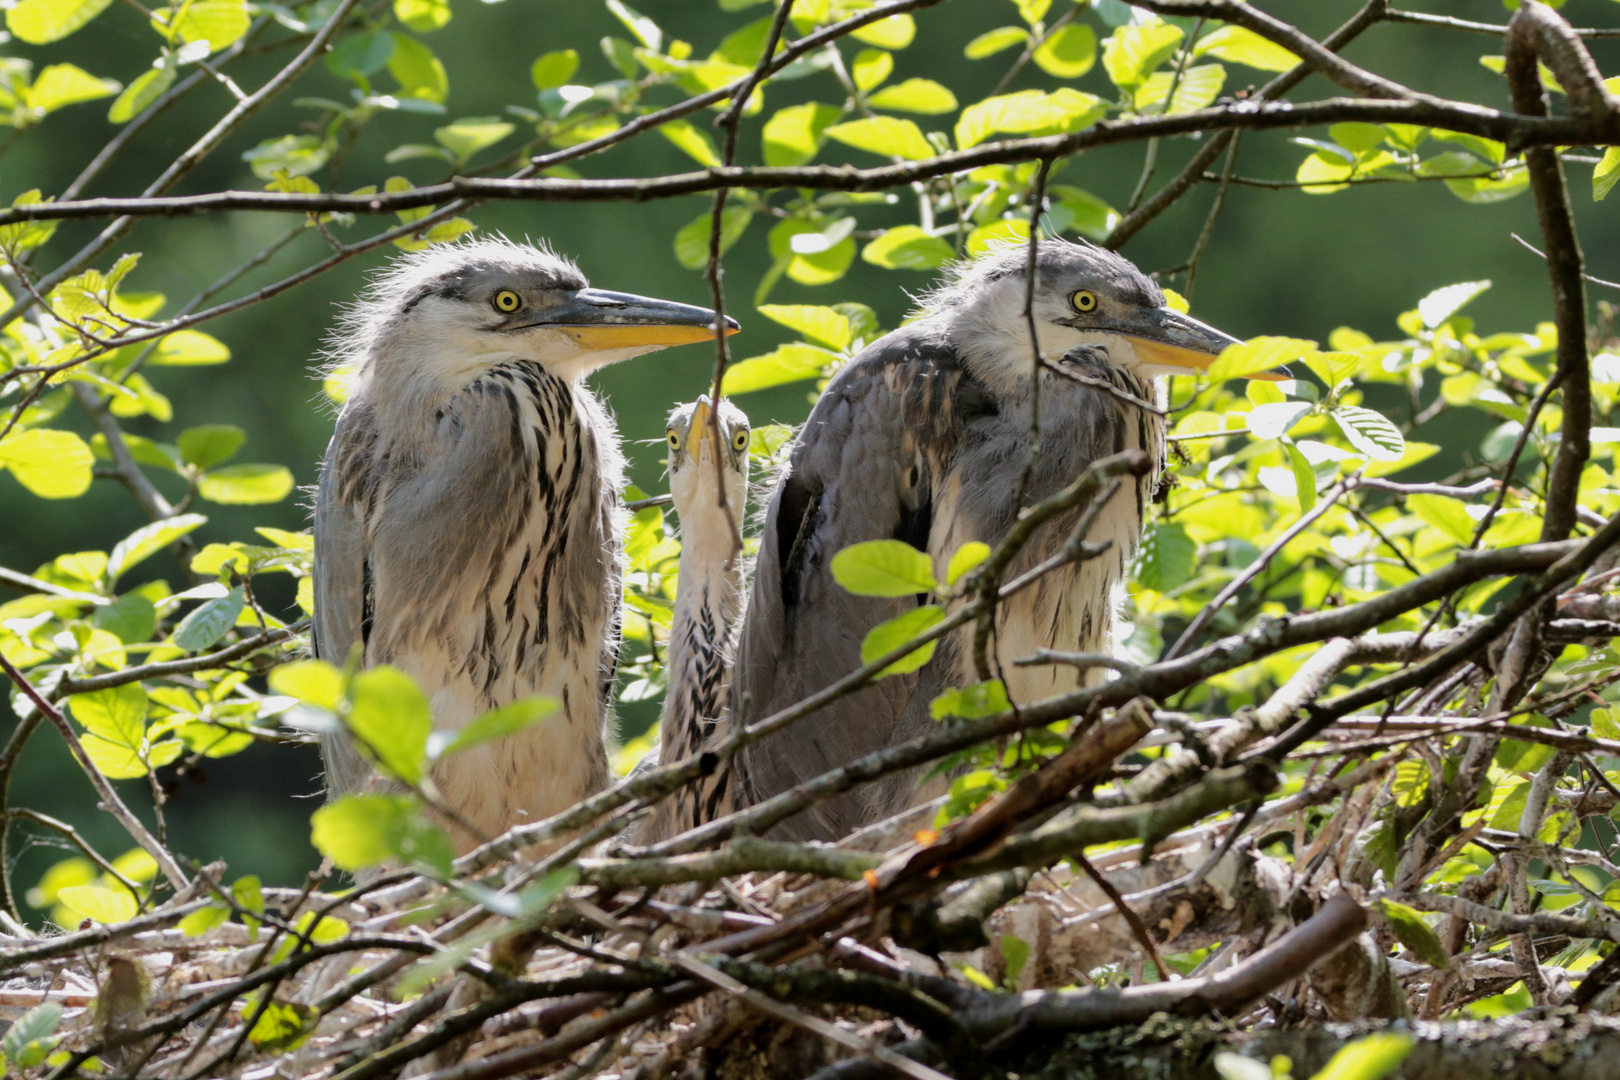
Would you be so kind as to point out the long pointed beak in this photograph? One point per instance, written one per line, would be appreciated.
(699, 428)
(1171, 339)
(601, 320)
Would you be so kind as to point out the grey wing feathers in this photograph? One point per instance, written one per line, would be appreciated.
(863, 468)
(341, 599)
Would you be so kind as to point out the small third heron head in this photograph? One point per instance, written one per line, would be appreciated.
(693, 478)
(1084, 296)
(453, 310)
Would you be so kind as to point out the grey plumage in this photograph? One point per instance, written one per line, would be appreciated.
(923, 438)
(708, 599)
(467, 526)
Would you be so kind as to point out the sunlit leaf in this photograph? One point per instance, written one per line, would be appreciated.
(391, 717)
(894, 633)
(786, 364)
(964, 559)
(99, 903)
(148, 540)
(1243, 46)
(419, 73)
(1371, 1057)
(886, 135)
(822, 325)
(40, 22)
(495, 724)
(1132, 52)
(51, 464)
(246, 485)
(1068, 52)
(1370, 432)
(1028, 112)
(994, 41)
(554, 69)
(923, 96)
(883, 568)
(907, 247)
(794, 135)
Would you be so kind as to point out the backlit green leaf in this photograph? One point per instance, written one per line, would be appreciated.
(1448, 515)
(1169, 557)
(994, 41)
(189, 347)
(29, 1039)
(117, 714)
(869, 68)
(822, 325)
(794, 135)
(907, 247)
(789, 363)
(145, 89)
(131, 618)
(554, 69)
(210, 444)
(886, 135)
(358, 831)
(1605, 173)
(1256, 355)
(148, 540)
(314, 682)
(98, 903)
(692, 239)
(423, 16)
(495, 724)
(971, 702)
(1028, 112)
(1443, 303)
(1068, 52)
(894, 32)
(693, 142)
(1372, 1057)
(964, 559)
(390, 715)
(1195, 89)
(51, 464)
(40, 22)
(419, 73)
(894, 633)
(923, 96)
(883, 568)
(219, 22)
(466, 137)
(1242, 46)
(1132, 52)
(61, 85)
(246, 485)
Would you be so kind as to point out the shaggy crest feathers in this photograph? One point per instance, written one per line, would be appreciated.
(966, 280)
(406, 279)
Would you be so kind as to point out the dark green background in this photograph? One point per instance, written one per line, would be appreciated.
(1280, 263)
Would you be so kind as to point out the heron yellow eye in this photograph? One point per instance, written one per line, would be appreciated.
(1084, 300)
(507, 301)
(739, 439)
(674, 438)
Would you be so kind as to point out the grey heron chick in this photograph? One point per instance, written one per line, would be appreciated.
(467, 524)
(708, 599)
(923, 437)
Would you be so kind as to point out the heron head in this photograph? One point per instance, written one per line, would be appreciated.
(1084, 296)
(454, 309)
(690, 437)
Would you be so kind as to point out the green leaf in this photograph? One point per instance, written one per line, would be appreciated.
(994, 41)
(132, 618)
(25, 235)
(894, 32)
(1169, 558)
(1304, 478)
(815, 252)
(1370, 1058)
(822, 325)
(887, 636)
(28, 1040)
(204, 919)
(359, 831)
(1015, 952)
(219, 22)
(1195, 89)
(888, 568)
(987, 237)
(554, 69)
(1370, 432)
(61, 85)
(1604, 724)
(869, 68)
(185, 348)
(787, 364)
(423, 16)
(794, 135)
(1448, 515)
(964, 559)
(692, 239)
(148, 540)
(1443, 303)
(1241, 46)
(117, 715)
(694, 143)
(98, 903)
(886, 135)
(145, 89)
(1605, 173)
(40, 22)
(51, 464)
(210, 444)
(419, 73)
(974, 702)
(907, 247)
(209, 621)
(923, 96)
(1033, 11)
(468, 136)
(248, 892)
(359, 57)
(1068, 52)
(495, 724)
(1411, 782)
(391, 716)
(1483, 191)
(246, 485)
(1132, 52)
(314, 682)
(645, 30)
(1256, 355)
(1028, 112)
(1081, 211)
